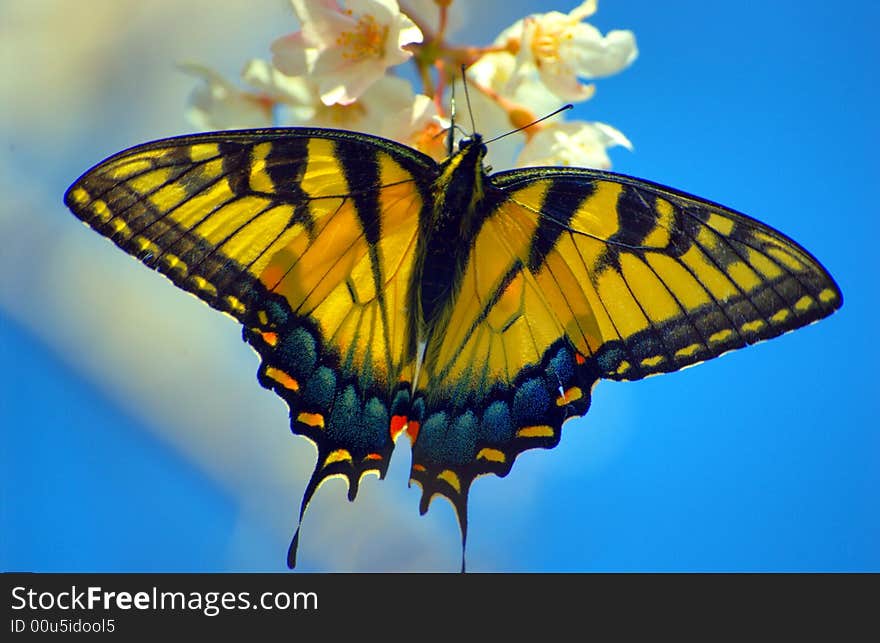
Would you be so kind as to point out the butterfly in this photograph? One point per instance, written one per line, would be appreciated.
(387, 294)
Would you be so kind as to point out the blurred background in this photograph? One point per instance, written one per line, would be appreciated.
(135, 436)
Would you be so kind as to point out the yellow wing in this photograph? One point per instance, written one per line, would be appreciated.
(306, 237)
(577, 275)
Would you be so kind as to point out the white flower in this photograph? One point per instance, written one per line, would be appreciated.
(499, 72)
(297, 97)
(427, 13)
(369, 114)
(420, 126)
(218, 104)
(492, 119)
(562, 48)
(270, 82)
(573, 144)
(345, 50)
(494, 69)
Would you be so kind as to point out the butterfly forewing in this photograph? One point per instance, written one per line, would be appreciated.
(670, 280)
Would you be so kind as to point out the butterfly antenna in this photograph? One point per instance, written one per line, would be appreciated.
(450, 133)
(467, 98)
(535, 122)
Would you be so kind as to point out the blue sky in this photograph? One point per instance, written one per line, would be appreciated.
(763, 460)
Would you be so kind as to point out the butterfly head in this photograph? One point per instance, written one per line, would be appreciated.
(473, 145)
(474, 141)
(470, 154)
(463, 171)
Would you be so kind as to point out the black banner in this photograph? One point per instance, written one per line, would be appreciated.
(230, 604)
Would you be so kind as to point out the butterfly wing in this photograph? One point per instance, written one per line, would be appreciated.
(670, 279)
(306, 237)
(577, 275)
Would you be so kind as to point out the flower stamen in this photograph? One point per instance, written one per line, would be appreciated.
(366, 40)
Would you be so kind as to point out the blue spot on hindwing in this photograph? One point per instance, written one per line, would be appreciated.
(376, 421)
(277, 312)
(417, 411)
(497, 426)
(431, 433)
(461, 442)
(345, 420)
(448, 442)
(319, 390)
(561, 368)
(531, 403)
(400, 404)
(297, 353)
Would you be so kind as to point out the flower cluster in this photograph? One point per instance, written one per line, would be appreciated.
(341, 70)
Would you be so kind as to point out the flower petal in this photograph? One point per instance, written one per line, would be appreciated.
(572, 144)
(218, 104)
(559, 48)
(345, 52)
(291, 54)
(593, 56)
(265, 78)
(321, 21)
(418, 125)
(584, 10)
(427, 13)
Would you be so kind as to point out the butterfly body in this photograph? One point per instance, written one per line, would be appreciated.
(387, 294)
(444, 243)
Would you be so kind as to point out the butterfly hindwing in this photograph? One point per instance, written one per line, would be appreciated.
(503, 377)
(577, 275)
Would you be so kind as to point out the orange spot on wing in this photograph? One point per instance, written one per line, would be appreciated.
(270, 338)
(398, 424)
(373, 456)
(311, 419)
(450, 478)
(271, 276)
(339, 455)
(542, 431)
(580, 359)
(572, 394)
(419, 467)
(493, 455)
(282, 378)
